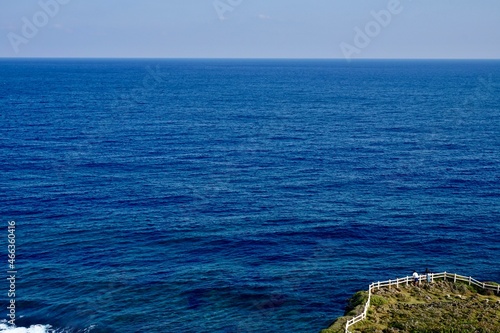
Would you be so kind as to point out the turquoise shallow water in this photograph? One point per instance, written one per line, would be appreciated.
(241, 195)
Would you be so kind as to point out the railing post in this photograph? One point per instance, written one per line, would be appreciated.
(455, 278)
(378, 285)
(470, 279)
(407, 281)
(397, 283)
(445, 276)
(498, 289)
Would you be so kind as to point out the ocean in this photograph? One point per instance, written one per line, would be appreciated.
(238, 196)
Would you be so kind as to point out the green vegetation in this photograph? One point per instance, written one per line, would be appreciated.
(358, 300)
(439, 307)
(378, 301)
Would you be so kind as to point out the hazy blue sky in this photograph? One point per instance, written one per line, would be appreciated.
(250, 28)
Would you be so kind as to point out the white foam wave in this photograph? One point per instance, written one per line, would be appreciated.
(32, 329)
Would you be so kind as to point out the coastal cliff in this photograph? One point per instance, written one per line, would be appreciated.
(438, 307)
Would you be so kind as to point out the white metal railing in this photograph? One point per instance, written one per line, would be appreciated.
(408, 279)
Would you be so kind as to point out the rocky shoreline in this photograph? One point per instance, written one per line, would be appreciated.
(438, 307)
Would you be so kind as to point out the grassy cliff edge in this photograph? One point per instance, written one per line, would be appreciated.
(438, 307)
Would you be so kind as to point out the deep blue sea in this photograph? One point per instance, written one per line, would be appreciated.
(240, 196)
